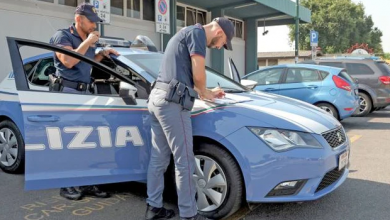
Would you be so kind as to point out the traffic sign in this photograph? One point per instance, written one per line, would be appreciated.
(313, 38)
(162, 16)
(103, 9)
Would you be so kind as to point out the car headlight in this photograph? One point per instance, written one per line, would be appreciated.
(282, 140)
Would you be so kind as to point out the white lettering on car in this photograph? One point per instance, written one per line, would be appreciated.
(123, 136)
(126, 134)
(81, 134)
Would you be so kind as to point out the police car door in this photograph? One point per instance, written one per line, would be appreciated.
(79, 139)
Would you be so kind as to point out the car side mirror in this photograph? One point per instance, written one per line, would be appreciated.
(250, 84)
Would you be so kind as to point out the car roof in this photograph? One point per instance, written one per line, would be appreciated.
(121, 50)
(311, 66)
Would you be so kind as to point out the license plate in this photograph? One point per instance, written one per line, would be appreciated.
(343, 159)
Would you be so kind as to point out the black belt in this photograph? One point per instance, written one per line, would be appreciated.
(80, 86)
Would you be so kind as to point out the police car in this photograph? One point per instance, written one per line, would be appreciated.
(251, 147)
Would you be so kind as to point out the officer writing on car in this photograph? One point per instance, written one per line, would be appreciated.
(182, 71)
(73, 74)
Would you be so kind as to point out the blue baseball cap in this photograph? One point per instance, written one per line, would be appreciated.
(228, 28)
(88, 11)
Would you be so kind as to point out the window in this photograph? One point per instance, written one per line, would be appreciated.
(68, 2)
(267, 77)
(40, 76)
(187, 16)
(347, 77)
(117, 7)
(359, 69)
(195, 16)
(134, 9)
(148, 10)
(302, 75)
(334, 64)
(180, 19)
(324, 74)
(272, 62)
(384, 68)
(238, 27)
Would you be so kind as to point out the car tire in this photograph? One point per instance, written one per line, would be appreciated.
(226, 169)
(329, 109)
(234, 196)
(365, 105)
(11, 148)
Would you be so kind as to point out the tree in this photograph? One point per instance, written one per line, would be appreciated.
(340, 24)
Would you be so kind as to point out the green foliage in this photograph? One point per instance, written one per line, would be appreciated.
(386, 56)
(340, 24)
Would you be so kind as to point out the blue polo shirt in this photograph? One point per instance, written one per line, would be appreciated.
(176, 63)
(81, 72)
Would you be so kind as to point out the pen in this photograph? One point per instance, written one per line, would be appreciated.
(219, 86)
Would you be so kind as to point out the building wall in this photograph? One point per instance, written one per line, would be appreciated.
(39, 20)
(238, 56)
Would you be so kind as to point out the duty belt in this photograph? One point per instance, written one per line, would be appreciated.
(80, 86)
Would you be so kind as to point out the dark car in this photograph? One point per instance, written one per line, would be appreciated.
(373, 78)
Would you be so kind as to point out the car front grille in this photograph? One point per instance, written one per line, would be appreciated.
(335, 137)
(330, 177)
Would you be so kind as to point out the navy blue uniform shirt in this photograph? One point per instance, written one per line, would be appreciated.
(81, 72)
(176, 63)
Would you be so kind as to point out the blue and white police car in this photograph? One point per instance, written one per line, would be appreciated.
(255, 147)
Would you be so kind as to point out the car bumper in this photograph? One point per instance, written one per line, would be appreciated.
(269, 168)
(346, 105)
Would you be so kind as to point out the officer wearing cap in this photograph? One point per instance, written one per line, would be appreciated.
(182, 71)
(75, 76)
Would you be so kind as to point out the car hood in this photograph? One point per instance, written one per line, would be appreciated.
(282, 112)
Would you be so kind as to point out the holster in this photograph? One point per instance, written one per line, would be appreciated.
(55, 83)
(178, 92)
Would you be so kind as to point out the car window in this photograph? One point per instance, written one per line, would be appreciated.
(267, 77)
(40, 76)
(385, 69)
(302, 75)
(359, 69)
(334, 64)
(29, 66)
(346, 76)
(324, 74)
(151, 64)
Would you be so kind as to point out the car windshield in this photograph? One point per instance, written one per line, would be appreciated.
(151, 63)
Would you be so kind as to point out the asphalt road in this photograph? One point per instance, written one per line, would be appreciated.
(364, 195)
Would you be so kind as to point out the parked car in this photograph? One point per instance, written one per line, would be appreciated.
(328, 88)
(373, 76)
(249, 149)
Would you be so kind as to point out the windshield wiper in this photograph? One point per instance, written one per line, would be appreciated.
(230, 90)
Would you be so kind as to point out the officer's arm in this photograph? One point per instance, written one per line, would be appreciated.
(69, 61)
(199, 73)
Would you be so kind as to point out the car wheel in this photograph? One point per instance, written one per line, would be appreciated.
(329, 109)
(218, 181)
(11, 148)
(365, 106)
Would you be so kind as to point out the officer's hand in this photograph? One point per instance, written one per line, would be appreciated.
(107, 51)
(93, 38)
(218, 92)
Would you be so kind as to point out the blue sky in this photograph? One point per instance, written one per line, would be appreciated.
(277, 37)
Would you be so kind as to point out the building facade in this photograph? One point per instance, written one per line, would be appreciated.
(39, 19)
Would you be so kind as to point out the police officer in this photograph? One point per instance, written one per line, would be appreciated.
(75, 76)
(182, 71)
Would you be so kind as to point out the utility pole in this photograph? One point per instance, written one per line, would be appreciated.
(296, 32)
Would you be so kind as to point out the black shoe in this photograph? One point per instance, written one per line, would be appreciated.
(70, 193)
(93, 191)
(158, 213)
(196, 217)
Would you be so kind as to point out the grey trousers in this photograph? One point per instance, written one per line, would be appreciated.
(171, 133)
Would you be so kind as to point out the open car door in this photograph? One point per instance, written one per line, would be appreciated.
(80, 139)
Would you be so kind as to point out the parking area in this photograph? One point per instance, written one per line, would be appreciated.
(365, 194)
